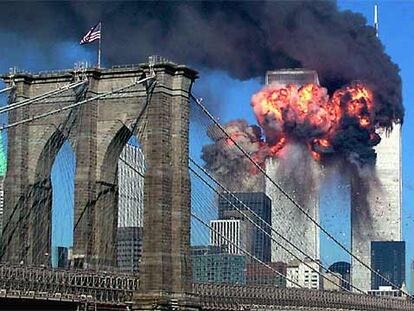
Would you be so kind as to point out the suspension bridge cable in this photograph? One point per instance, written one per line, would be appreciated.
(6, 89)
(225, 190)
(244, 251)
(270, 236)
(199, 200)
(32, 100)
(292, 200)
(103, 95)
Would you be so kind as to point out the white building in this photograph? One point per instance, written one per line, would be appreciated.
(233, 230)
(131, 187)
(305, 275)
(386, 291)
(376, 204)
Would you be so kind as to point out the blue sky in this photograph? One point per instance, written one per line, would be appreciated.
(233, 97)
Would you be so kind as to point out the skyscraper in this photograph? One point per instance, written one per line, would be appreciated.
(300, 179)
(230, 232)
(131, 167)
(260, 204)
(131, 187)
(129, 249)
(376, 205)
(388, 259)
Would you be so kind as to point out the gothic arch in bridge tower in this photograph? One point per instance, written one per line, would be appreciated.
(99, 129)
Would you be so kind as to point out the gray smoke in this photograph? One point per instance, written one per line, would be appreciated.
(243, 38)
(228, 164)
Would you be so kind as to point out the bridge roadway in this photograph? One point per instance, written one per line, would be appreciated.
(89, 290)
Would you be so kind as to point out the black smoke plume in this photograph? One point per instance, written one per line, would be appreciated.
(243, 38)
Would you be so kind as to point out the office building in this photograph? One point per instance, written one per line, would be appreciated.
(200, 250)
(211, 265)
(230, 232)
(303, 188)
(129, 249)
(305, 274)
(388, 259)
(288, 219)
(60, 257)
(273, 273)
(376, 205)
(259, 203)
(386, 292)
(131, 168)
(344, 270)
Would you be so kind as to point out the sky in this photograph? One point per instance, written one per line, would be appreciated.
(233, 96)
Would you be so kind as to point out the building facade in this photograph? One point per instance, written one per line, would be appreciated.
(259, 238)
(344, 270)
(129, 249)
(305, 274)
(388, 259)
(212, 264)
(288, 220)
(274, 273)
(300, 179)
(60, 257)
(386, 292)
(131, 169)
(230, 232)
(376, 205)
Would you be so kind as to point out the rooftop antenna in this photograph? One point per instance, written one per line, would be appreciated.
(376, 24)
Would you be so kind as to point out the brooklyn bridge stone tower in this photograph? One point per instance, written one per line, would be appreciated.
(98, 130)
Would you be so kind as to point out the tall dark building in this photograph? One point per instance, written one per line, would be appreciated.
(129, 249)
(60, 257)
(258, 242)
(388, 259)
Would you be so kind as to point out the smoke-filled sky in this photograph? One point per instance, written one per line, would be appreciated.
(232, 44)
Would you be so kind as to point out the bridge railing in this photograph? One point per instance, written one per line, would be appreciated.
(76, 285)
(116, 288)
(241, 295)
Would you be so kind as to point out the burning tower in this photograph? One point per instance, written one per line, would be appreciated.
(298, 174)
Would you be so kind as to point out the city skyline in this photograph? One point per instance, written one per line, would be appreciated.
(217, 85)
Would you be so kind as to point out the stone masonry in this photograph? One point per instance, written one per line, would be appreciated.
(98, 132)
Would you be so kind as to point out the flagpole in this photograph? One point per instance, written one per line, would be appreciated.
(99, 48)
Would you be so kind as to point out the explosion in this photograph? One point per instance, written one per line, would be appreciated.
(341, 126)
(292, 114)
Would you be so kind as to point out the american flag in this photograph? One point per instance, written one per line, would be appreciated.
(92, 35)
